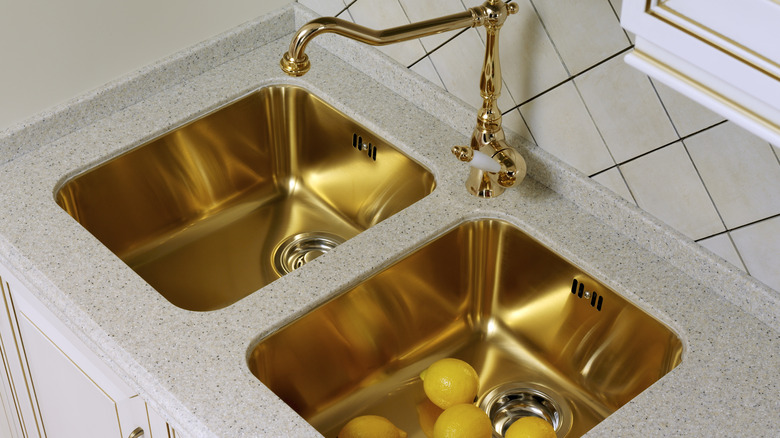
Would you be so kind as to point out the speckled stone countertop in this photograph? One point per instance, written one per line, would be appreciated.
(191, 366)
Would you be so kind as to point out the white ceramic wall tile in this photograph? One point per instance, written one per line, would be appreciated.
(759, 246)
(721, 245)
(560, 123)
(739, 170)
(528, 59)
(617, 6)
(324, 7)
(514, 122)
(666, 185)
(613, 180)
(687, 115)
(585, 32)
(459, 64)
(383, 14)
(418, 10)
(426, 69)
(626, 109)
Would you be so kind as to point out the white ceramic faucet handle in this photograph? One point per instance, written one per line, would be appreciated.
(485, 162)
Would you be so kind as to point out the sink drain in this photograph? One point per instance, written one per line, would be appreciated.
(299, 249)
(507, 403)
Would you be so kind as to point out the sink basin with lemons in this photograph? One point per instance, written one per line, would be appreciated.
(546, 339)
(216, 209)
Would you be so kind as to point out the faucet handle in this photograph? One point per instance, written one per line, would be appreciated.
(477, 159)
(490, 175)
(513, 164)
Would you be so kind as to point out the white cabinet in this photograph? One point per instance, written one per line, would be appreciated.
(53, 386)
(725, 54)
(18, 395)
(10, 425)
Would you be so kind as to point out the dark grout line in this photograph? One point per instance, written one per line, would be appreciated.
(603, 171)
(550, 38)
(617, 15)
(623, 178)
(727, 230)
(739, 254)
(663, 105)
(774, 216)
(460, 32)
(346, 8)
(603, 61)
(703, 183)
(671, 143)
(687, 152)
(571, 78)
(601, 135)
(541, 94)
(719, 233)
(776, 151)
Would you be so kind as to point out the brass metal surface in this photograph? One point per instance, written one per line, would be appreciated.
(483, 292)
(200, 211)
(488, 135)
(295, 62)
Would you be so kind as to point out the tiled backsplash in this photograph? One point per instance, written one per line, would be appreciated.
(567, 88)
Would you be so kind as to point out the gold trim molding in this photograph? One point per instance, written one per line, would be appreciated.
(660, 10)
(707, 90)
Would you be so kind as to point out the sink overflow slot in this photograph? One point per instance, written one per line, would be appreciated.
(357, 143)
(578, 289)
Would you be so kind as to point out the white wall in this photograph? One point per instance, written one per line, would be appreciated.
(52, 51)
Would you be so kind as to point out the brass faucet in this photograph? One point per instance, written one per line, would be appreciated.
(495, 164)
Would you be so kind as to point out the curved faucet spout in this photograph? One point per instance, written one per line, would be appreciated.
(486, 179)
(296, 63)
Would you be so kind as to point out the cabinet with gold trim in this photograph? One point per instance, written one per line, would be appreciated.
(17, 394)
(9, 426)
(53, 386)
(725, 54)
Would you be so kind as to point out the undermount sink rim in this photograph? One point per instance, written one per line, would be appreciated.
(393, 257)
(631, 299)
(379, 195)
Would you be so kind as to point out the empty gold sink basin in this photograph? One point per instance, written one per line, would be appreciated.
(545, 338)
(222, 206)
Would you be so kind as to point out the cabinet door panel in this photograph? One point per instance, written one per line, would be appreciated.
(9, 420)
(71, 404)
(18, 396)
(722, 53)
(54, 385)
(748, 25)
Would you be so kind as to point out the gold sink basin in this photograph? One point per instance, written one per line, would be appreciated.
(545, 338)
(216, 209)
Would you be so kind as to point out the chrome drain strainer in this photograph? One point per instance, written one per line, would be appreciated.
(507, 403)
(299, 249)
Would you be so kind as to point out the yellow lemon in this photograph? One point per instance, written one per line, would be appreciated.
(463, 421)
(427, 413)
(530, 427)
(370, 426)
(448, 382)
